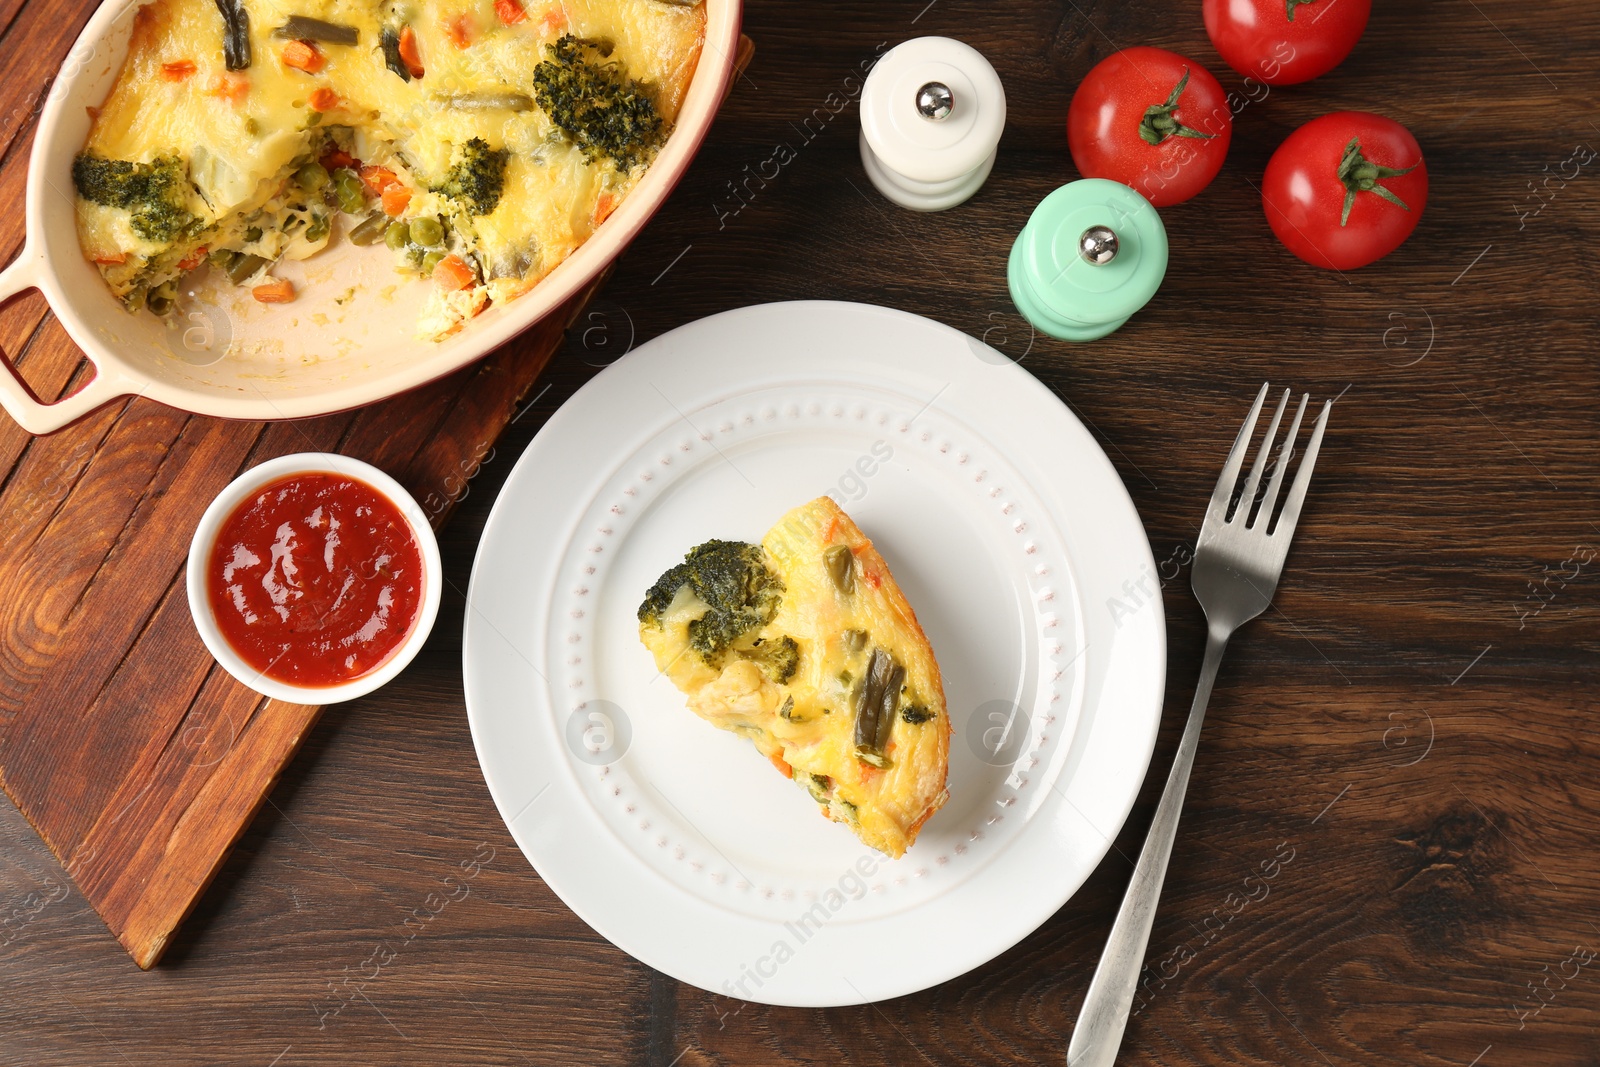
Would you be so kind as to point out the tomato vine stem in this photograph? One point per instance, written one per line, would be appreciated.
(1159, 122)
(1360, 175)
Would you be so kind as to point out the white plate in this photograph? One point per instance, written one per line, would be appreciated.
(1011, 535)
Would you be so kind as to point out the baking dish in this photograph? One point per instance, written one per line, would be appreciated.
(346, 341)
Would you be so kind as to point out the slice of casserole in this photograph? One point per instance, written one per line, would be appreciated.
(805, 645)
(481, 140)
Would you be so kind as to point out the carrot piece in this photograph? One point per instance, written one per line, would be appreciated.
(111, 258)
(554, 20)
(462, 30)
(231, 87)
(395, 199)
(324, 99)
(453, 274)
(193, 259)
(177, 71)
(334, 158)
(277, 291)
(408, 51)
(303, 55)
(604, 205)
(377, 179)
(782, 765)
(510, 12)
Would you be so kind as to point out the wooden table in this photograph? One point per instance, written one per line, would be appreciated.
(1398, 756)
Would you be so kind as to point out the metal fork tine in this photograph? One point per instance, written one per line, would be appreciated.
(1302, 479)
(1230, 470)
(1248, 497)
(1263, 520)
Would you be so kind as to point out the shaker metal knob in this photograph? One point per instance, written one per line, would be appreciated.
(1093, 253)
(935, 101)
(932, 111)
(1098, 245)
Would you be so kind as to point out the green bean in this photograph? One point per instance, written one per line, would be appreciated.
(397, 236)
(301, 28)
(841, 568)
(877, 699)
(484, 100)
(222, 258)
(389, 39)
(235, 34)
(370, 229)
(245, 267)
(160, 299)
(855, 640)
(426, 232)
(349, 191)
(312, 176)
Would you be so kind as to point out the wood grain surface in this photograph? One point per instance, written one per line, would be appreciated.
(1399, 756)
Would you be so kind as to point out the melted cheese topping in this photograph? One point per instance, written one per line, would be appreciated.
(807, 725)
(242, 133)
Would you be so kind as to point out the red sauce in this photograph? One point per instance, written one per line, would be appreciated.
(315, 580)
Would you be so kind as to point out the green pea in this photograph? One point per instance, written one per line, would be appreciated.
(430, 261)
(222, 258)
(352, 195)
(252, 234)
(397, 236)
(427, 232)
(311, 177)
(320, 225)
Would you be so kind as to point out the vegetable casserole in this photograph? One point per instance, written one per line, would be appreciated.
(481, 141)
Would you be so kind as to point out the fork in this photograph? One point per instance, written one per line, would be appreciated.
(1237, 563)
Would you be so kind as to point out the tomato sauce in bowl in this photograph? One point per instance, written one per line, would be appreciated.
(315, 579)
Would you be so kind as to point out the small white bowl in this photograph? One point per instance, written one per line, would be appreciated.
(241, 489)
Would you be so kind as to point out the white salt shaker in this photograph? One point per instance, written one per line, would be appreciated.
(931, 115)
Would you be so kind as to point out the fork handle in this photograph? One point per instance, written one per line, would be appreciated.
(1104, 1015)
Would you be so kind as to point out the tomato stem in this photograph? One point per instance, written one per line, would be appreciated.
(1159, 122)
(1360, 175)
(1290, 5)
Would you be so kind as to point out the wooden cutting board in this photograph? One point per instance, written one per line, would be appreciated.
(137, 758)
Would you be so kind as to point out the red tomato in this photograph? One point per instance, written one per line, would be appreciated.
(1283, 42)
(1152, 120)
(1345, 189)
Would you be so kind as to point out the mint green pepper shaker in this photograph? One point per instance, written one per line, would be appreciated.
(1093, 253)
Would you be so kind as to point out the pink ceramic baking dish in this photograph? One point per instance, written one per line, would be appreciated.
(346, 341)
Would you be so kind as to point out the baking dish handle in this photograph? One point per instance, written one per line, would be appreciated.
(18, 399)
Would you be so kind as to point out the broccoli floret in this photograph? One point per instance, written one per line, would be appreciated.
(733, 580)
(778, 659)
(155, 193)
(594, 103)
(477, 178)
